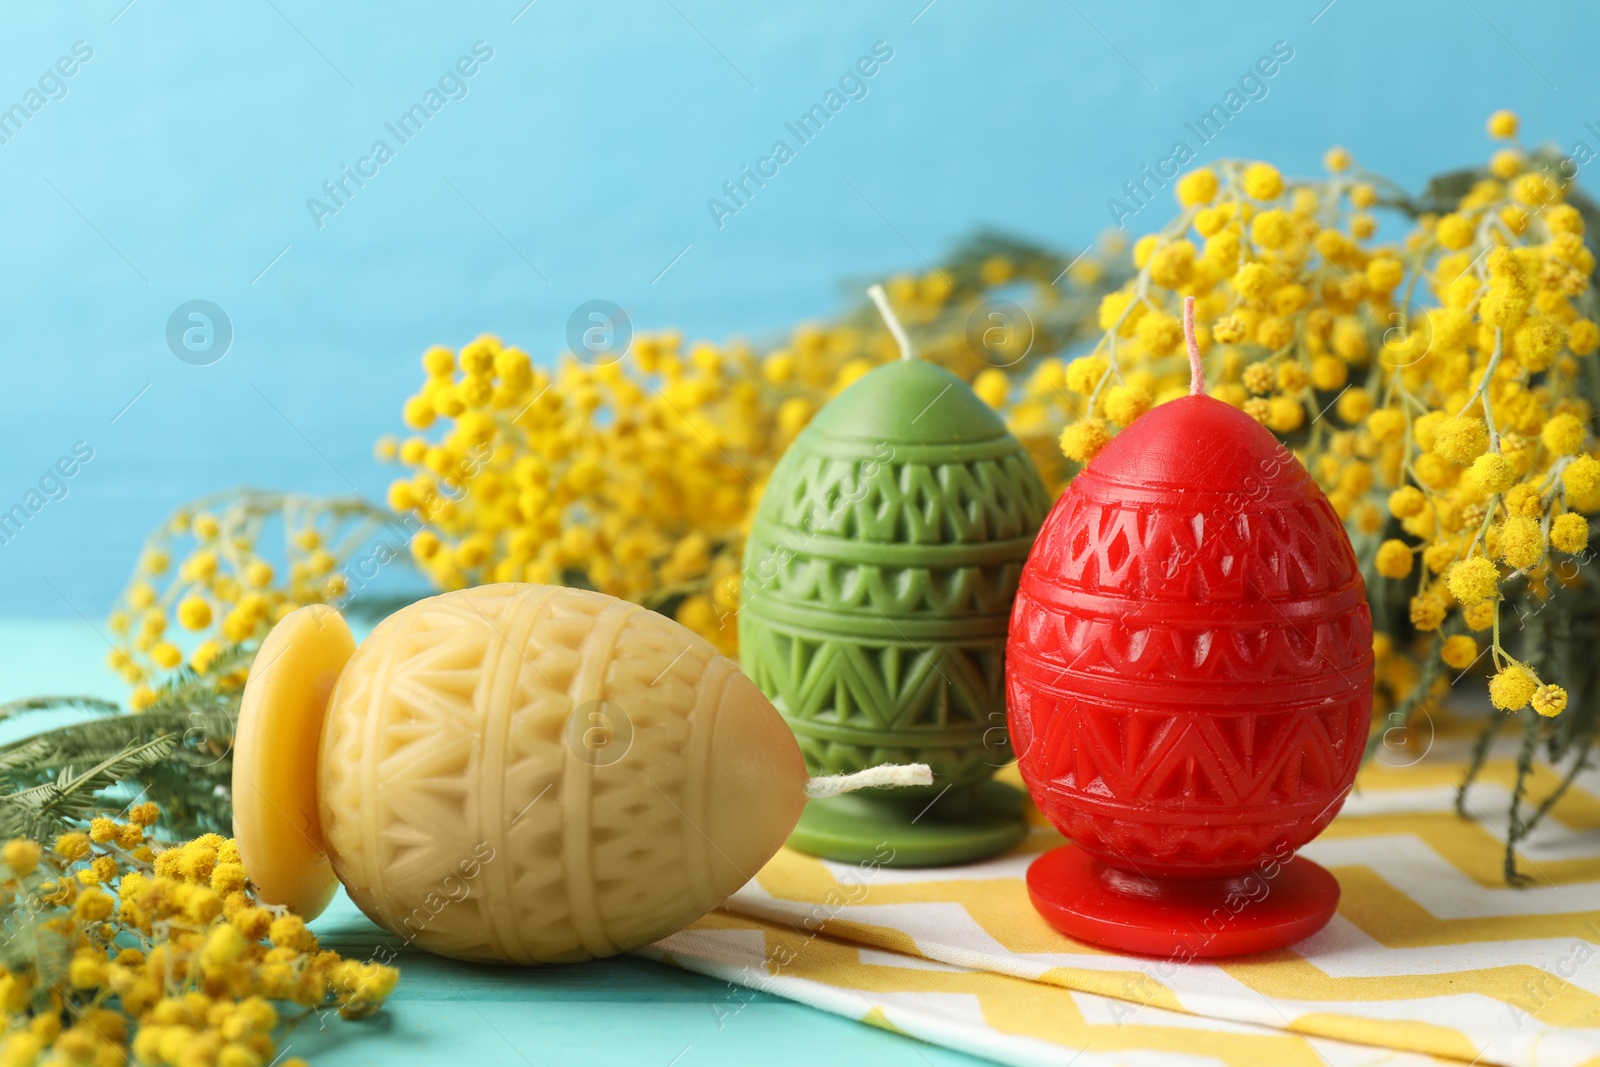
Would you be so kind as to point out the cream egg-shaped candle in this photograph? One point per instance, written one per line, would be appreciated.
(514, 773)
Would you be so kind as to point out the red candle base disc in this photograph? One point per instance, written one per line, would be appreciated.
(1179, 918)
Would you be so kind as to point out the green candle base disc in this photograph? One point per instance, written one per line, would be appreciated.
(959, 826)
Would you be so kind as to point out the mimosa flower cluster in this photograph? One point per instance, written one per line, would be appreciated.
(121, 950)
(1431, 384)
(207, 582)
(638, 477)
(633, 483)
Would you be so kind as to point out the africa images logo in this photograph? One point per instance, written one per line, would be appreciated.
(452, 85)
(852, 85)
(1204, 128)
(52, 85)
(52, 486)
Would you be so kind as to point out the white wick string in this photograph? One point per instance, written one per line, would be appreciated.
(881, 298)
(887, 774)
(1197, 369)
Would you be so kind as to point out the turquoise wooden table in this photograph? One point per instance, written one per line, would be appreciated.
(626, 1012)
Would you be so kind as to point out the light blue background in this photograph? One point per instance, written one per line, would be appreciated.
(179, 164)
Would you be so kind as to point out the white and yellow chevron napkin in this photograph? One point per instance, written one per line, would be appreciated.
(1431, 955)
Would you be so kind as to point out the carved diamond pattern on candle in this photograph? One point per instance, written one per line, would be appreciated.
(832, 504)
(1111, 544)
(873, 494)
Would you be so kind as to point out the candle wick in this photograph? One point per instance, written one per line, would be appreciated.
(883, 776)
(1197, 370)
(881, 298)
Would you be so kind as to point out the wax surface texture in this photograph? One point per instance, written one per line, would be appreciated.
(536, 774)
(1191, 650)
(274, 768)
(879, 574)
(878, 578)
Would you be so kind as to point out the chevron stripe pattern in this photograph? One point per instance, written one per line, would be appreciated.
(1431, 959)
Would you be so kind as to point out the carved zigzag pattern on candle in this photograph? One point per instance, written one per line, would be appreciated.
(1195, 652)
(881, 500)
(877, 591)
(815, 574)
(460, 807)
(1270, 778)
(1290, 756)
(1140, 557)
(1190, 602)
(1146, 553)
(855, 705)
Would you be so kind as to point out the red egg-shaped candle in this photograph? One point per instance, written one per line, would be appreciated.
(1189, 687)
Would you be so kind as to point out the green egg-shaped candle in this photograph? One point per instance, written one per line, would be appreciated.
(878, 580)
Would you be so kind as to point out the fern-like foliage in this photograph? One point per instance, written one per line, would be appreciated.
(178, 753)
(14, 708)
(71, 795)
